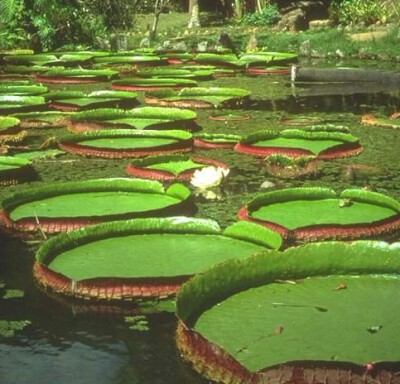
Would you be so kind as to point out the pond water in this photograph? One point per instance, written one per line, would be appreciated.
(66, 344)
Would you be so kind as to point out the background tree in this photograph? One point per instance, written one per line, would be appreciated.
(194, 14)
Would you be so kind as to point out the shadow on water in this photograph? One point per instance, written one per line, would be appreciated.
(354, 98)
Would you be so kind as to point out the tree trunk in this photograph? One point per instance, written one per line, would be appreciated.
(239, 8)
(194, 14)
(158, 7)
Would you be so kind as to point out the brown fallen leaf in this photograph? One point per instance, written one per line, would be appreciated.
(278, 330)
(340, 286)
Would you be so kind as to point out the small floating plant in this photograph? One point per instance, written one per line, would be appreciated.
(291, 168)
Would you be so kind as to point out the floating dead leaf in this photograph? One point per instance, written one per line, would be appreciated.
(340, 286)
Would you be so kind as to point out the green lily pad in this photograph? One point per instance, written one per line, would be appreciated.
(171, 166)
(312, 142)
(137, 60)
(326, 304)
(138, 118)
(120, 198)
(126, 142)
(152, 83)
(12, 104)
(296, 208)
(214, 97)
(200, 74)
(176, 248)
(22, 90)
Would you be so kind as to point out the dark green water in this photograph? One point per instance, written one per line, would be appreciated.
(64, 345)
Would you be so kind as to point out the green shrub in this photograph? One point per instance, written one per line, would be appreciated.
(360, 11)
(269, 16)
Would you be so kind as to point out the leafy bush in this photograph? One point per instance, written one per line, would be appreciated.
(360, 11)
(49, 24)
(267, 17)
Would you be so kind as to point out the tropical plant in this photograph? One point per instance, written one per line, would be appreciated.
(265, 17)
(362, 11)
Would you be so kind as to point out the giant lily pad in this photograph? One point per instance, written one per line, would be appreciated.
(24, 69)
(14, 170)
(320, 213)
(199, 97)
(54, 119)
(138, 118)
(177, 58)
(216, 140)
(22, 90)
(49, 59)
(268, 70)
(9, 125)
(97, 99)
(152, 84)
(222, 60)
(127, 143)
(381, 121)
(13, 104)
(272, 58)
(295, 143)
(319, 311)
(77, 76)
(154, 257)
(216, 71)
(171, 73)
(170, 167)
(134, 60)
(63, 206)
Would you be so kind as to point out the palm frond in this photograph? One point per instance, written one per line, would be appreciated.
(7, 9)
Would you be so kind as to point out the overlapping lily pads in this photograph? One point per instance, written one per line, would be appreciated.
(22, 90)
(199, 97)
(78, 263)
(74, 101)
(77, 76)
(221, 60)
(127, 143)
(309, 214)
(54, 119)
(134, 60)
(216, 140)
(9, 125)
(170, 167)
(171, 73)
(322, 143)
(15, 170)
(43, 59)
(13, 104)
(319, 311)
(152, 84)
(271, 58)
(64, 206)
(138, 118)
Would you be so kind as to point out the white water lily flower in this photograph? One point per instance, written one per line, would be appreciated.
(209, 177)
